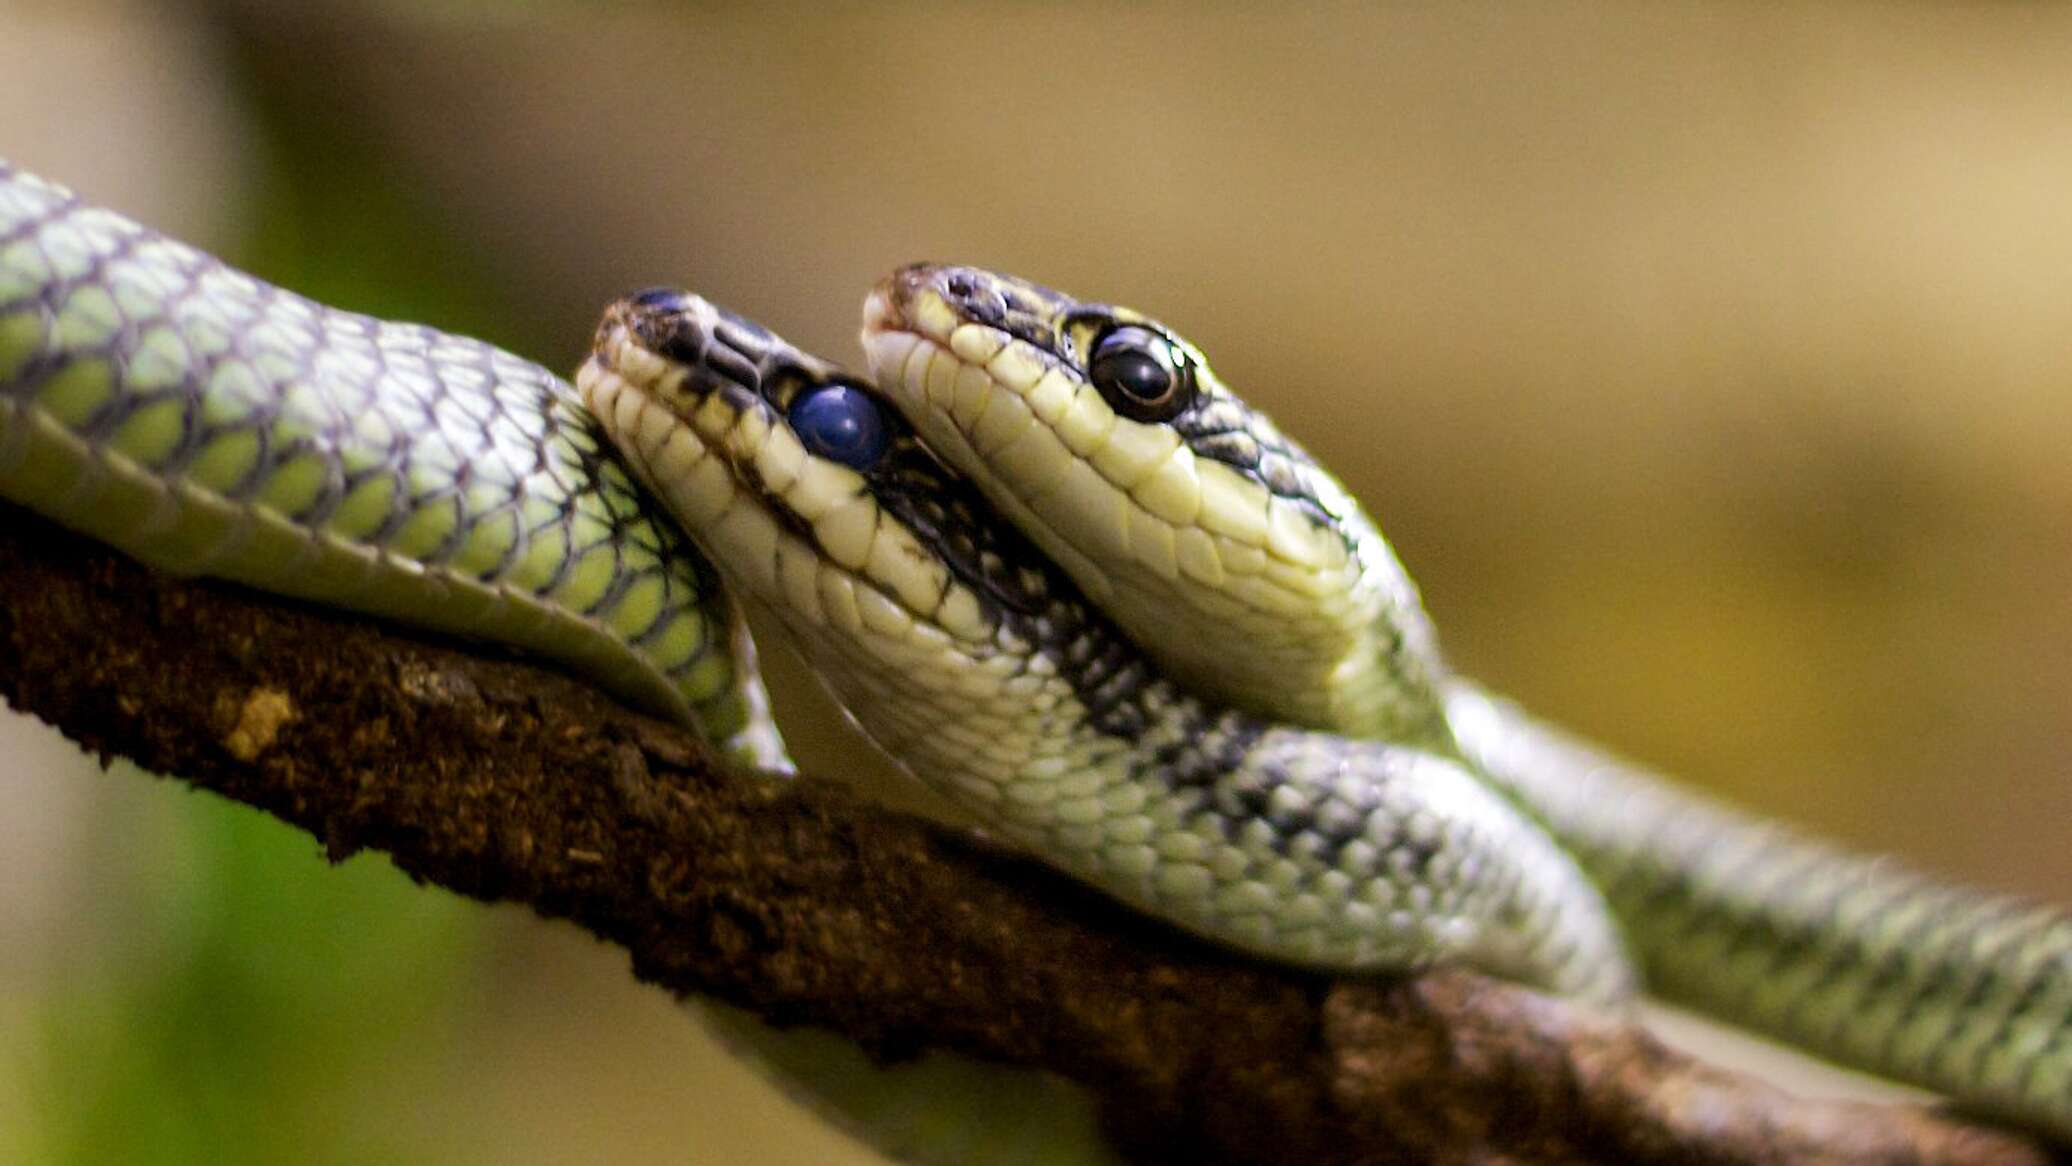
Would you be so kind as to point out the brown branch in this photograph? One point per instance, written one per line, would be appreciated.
(803, 904)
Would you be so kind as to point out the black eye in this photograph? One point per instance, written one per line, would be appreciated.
(840, 423)
(1141, 373)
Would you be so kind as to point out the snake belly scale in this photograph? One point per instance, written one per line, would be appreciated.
(1345, 803)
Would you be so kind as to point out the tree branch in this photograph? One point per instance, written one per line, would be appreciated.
(804, 905)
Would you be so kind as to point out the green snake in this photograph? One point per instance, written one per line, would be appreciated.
(1049, 563)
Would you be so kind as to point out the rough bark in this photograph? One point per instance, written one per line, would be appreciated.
(805, 905)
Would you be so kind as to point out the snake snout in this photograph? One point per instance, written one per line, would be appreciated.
(914, 297)
(666, 322)
(888, 307)
(714, 347)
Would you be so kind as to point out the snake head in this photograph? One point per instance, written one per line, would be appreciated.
(1184, 513)
(812, 495)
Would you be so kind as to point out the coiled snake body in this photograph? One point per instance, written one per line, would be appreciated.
(1284, 765)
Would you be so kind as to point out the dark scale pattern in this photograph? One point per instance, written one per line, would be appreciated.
(1206, 753)
(717, 350)
(411, 450)
(1025, 310)
(1329, 825)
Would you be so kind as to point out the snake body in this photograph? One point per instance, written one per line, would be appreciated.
(1852, 956)
(208, 423)
(1341, 802)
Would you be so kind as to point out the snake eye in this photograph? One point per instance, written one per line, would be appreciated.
(840, 423)
(1142, 374)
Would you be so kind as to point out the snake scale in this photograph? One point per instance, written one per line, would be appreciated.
(1049, 562)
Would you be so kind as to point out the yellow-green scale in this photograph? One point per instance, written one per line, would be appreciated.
(206, 423)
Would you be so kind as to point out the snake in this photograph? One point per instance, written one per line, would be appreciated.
(1047, 561)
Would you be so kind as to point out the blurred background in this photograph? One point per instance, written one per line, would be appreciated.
(1708, 365)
